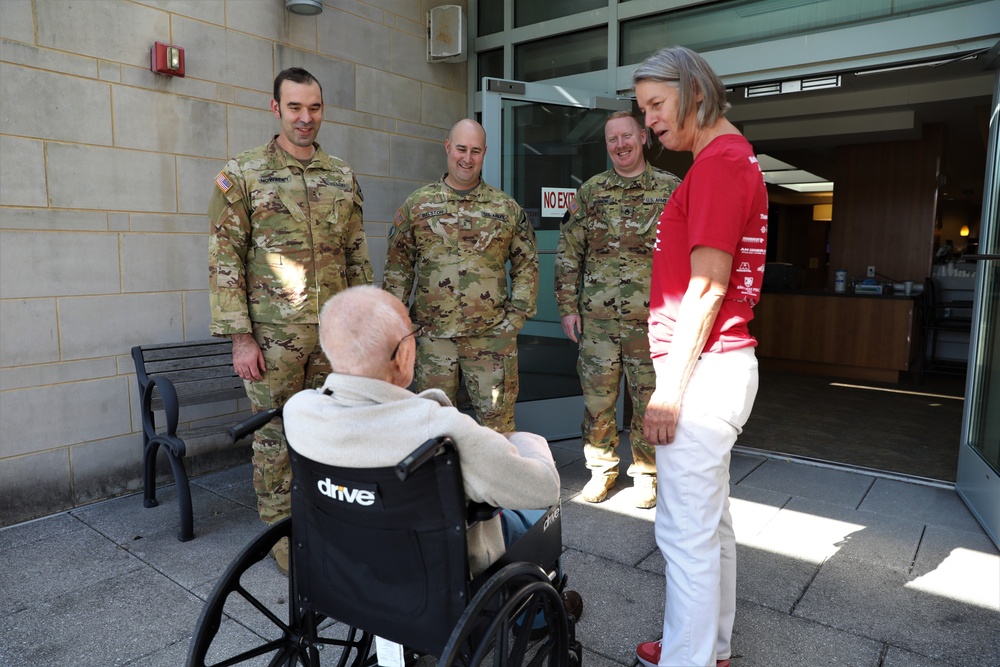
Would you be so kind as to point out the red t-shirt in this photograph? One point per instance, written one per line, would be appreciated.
(721, 203)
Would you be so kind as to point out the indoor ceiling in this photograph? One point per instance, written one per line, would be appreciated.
(804, 128)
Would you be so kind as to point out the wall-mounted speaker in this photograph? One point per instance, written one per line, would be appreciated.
(446, 35)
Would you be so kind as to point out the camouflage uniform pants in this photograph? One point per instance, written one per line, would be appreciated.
(294, 361)
(607, 347)
(489, 366)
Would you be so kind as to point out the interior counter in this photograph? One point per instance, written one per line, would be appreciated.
(861, 336)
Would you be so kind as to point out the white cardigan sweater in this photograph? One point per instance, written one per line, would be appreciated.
(369, 423)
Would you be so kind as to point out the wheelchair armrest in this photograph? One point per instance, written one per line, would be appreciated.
(480, 512)
(252, 423)
(421, 455)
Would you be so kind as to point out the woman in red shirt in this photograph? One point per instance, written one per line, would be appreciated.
(708, 266)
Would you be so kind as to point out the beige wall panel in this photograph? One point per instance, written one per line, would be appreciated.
(438, 134)
(111, 179)
(142, 77)
(100, 326)
(197, 314)
(33, 486)
(384, 195)
(249, 128)
(108, 29)
(75, 109)
(46, 59)
(441, 107)
(28, 331)
(417, 159)
(335, 76)
(224, 56)
(210, 11)
(16, 21)
(408, 9)
(36, 264)
(259, 17)
(196, 180)
(86, 411)
(366, 151)
(169, 123)
(54, 219)
(409, 58)
(106, 468)
(22, 172)
(188, 224)
(163, 262)
(377, 248)
(353, 38)
(71, 371)
(388, 94)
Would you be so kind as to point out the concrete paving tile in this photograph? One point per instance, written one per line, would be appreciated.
(742, 464)
(614, 529)
(235, 484)
(19, 535)
(220, 538)
(804, 535)
(771, 580)
(591, 659)
(765, 638)
(962, 565)
(125, 520)
(897, 657)
(888, 540)
(68, 558)
(622, 606)
(926, 504)
(833, 486)
(752, 509)
(883, 604)
(110, 622)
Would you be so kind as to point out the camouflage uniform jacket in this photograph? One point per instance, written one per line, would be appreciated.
(456, 247)
(605, 254)
(284, 238)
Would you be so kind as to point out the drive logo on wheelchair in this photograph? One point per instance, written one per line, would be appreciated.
(355, 496)
(552, 517)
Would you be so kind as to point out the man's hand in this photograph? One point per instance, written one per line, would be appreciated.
(660, 420)
(571, 326)
(248, 360)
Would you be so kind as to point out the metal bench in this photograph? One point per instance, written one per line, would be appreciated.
(176, 375)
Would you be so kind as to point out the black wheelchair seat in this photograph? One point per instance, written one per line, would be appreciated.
(382, 552)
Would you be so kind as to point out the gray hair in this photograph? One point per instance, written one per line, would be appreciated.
(682, 67)
(359, 327)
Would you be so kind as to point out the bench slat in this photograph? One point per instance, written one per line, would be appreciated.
(187, 350)
(223, 360)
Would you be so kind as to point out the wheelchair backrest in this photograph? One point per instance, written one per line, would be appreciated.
(381, 554)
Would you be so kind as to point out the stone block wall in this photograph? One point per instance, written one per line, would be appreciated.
(105, 174)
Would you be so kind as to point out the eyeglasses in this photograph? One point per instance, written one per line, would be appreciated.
(416, 332)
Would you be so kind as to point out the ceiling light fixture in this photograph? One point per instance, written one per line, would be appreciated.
(793, 86)
(305, 7)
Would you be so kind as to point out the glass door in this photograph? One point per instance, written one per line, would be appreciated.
(543, 142)
(978, 479)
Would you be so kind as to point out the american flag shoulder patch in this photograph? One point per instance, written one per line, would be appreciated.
(224, 183)
(399, 217)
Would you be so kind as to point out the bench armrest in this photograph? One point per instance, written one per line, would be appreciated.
(171, 406)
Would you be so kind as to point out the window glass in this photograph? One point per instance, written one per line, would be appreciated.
(490, 17)
(575, 53)
(741, 22)
(490, 64)
(527, 12)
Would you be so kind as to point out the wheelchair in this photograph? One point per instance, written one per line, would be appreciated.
(381, 553)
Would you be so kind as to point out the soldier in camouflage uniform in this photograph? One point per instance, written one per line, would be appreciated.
(603, 267)
(453, 239)
(286, 235)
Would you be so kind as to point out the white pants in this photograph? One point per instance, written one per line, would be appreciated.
(694, 529)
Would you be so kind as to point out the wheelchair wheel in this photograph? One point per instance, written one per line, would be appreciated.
(501, 623)
(251, 619)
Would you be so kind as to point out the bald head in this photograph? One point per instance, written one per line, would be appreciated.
(358, 329)
(465, 149)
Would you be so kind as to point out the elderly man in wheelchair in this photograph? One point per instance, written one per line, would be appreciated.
(396, 538)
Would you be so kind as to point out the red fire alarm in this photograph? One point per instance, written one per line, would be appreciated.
(166, 59)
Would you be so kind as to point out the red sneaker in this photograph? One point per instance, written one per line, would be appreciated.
(648, 653)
